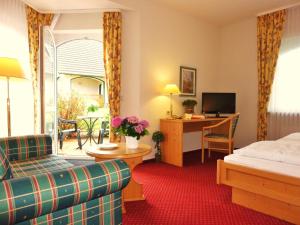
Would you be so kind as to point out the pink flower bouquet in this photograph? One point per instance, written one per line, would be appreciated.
(130, 126)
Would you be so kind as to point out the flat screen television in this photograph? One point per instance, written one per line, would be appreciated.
(218, 103)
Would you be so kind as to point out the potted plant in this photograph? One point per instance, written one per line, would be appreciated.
(189, 105)
(158, 137)
(92, 109)
(131, 127)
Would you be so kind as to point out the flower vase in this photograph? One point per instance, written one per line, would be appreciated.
(131, 142)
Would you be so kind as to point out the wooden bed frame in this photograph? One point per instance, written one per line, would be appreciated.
(270, 193)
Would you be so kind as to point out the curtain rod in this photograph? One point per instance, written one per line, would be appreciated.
(76, 10)
(277, 9)
(80, 11)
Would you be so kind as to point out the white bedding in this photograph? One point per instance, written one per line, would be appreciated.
(285, 150)
(294, 137)
(266, 165)
(281, 156)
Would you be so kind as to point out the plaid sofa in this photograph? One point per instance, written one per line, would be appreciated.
(37, 187)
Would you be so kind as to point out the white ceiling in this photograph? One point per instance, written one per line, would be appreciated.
(222, 12)
(64, 6)
(219, 12)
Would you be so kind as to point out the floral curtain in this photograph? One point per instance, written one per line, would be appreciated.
(112, 62)
(269, 35)
(34, 21)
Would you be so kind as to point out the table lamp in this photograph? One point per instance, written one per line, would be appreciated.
(171, 89)
(10, 67)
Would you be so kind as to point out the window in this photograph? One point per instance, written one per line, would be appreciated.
(285, 93)
(284, 105)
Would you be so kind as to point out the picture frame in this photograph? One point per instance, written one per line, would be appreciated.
(187, 83)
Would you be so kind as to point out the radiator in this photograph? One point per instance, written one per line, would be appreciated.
(282, 124)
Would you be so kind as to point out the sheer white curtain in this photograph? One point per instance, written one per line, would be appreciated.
(284, 105)
(14, 44)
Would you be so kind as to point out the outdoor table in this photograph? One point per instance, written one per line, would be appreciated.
(90, 121)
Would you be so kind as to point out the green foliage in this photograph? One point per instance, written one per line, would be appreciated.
(70, 108)
(92, 108)
(158, 136)
(189, 102)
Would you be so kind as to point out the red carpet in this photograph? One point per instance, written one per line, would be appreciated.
(187, 196)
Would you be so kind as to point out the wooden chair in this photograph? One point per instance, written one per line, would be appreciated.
(220, 136)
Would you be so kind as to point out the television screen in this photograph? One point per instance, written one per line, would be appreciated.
(218, 103)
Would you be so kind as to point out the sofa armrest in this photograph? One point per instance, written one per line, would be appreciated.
(30, 197)
(25, 147)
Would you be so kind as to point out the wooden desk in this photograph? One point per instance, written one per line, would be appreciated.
(173, 129)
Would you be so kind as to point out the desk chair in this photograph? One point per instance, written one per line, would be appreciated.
(220, 136)
(64, 132)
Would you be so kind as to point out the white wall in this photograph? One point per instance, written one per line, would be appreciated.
(21, 107)
(14, 44)
(78, 26)
(163, 40)
(237, 71)
(79, 21)
(156, 41)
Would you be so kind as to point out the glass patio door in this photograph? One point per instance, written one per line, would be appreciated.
(48, 85)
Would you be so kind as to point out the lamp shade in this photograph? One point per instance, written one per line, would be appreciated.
(10, 67)
(171, 89)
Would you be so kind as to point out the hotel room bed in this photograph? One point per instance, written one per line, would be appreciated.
(265, 176)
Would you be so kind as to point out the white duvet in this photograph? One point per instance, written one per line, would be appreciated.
(285, 150)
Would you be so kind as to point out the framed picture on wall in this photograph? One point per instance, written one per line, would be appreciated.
(187, 81)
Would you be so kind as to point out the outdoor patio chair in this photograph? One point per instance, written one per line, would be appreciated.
(102, 131)
(62, 133)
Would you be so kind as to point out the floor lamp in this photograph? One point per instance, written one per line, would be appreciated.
(171, 89)
(10, 67)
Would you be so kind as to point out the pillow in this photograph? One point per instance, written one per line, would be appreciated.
(5, 170)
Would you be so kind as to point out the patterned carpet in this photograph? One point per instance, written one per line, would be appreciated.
(187, 196)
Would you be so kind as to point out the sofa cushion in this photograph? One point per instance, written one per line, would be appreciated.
(5, 170)
(35, 166)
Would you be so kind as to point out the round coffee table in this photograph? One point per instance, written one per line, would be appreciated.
(133, 157)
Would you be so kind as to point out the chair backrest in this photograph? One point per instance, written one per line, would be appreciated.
(104, 125)
(64, 124)
(234, 122)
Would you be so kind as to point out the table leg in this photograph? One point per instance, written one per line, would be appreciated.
(90, 131)
(123, 205)
(90, 126)
(134, 190)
